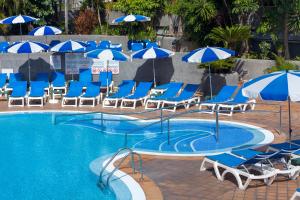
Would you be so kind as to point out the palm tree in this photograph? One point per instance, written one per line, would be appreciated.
(230, 36)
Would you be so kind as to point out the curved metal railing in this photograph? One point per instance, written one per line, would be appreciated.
(130, 153)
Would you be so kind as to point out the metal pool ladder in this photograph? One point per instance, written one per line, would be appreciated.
(103, 183)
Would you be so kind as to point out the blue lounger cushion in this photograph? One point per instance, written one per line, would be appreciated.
(105, 79)
(125, 89)
(75, 89)
(239, 98)
(58, 79)
(227, 159)
(3, 78)
(19, 89)
(224, 95)
(187, 93)
(171, 91)
(285, 146)
(246, 153)
(91, 91)
(37, 88)
(14, 77)
(85, 76)
(141, 91)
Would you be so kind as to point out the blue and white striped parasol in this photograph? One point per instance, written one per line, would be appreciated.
(152, 53)
(18, 19)
(27, 48)
(45, 30)
(206, 55)
(107, 55)
(277, 86)
(69, 47)
(132, 18)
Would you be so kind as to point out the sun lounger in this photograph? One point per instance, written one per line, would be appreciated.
(238, 102)
(139, 95)
(296, 194)
(239, 167)
(3, 78)
(289, 146)
(37, 93)
(223, 96)
(85, 77)
(19, 91)
(58, 83)
(74, 91)
(125, 89)
(44, 77)
(171, 90)
(92, 94)
(186, 97)
(272, 159)
(13, 78)
(105, 81)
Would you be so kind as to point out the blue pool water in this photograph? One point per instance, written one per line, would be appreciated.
(42, 160)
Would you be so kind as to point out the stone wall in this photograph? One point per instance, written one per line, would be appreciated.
(164, 42)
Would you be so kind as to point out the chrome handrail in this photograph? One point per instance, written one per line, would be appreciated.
(131, 153)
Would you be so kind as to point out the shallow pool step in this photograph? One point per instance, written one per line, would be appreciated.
(179, 142)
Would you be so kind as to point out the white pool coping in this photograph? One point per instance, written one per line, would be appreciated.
(134, 187)
(137, 193)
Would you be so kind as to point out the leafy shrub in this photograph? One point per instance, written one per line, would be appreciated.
(220, 66)
(265, 48)
(86, 22)
(281, 64)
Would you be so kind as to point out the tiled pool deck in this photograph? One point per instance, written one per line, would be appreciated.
(180, 177)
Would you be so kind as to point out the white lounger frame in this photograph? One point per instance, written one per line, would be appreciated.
(41, 99)
(133, 101)
(267, 175)
(158, 103)
(185, 103)
(11, 99)
(210, 106)
(66, 99)
(93, 99)
(229, 108)
(111, 102)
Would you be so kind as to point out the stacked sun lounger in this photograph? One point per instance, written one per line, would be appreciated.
(92, 94)
(37, 95)
(170, 90)
(252, 165)
(223, 96)
(124, 90)
(239, 102)
(73, 94)
(186, 97)
(18, 95)
(58, 84)
(140, 95)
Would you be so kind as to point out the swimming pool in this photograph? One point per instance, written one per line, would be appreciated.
(42, 160)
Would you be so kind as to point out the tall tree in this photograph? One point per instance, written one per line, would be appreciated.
(287, 13)
(196, 14)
